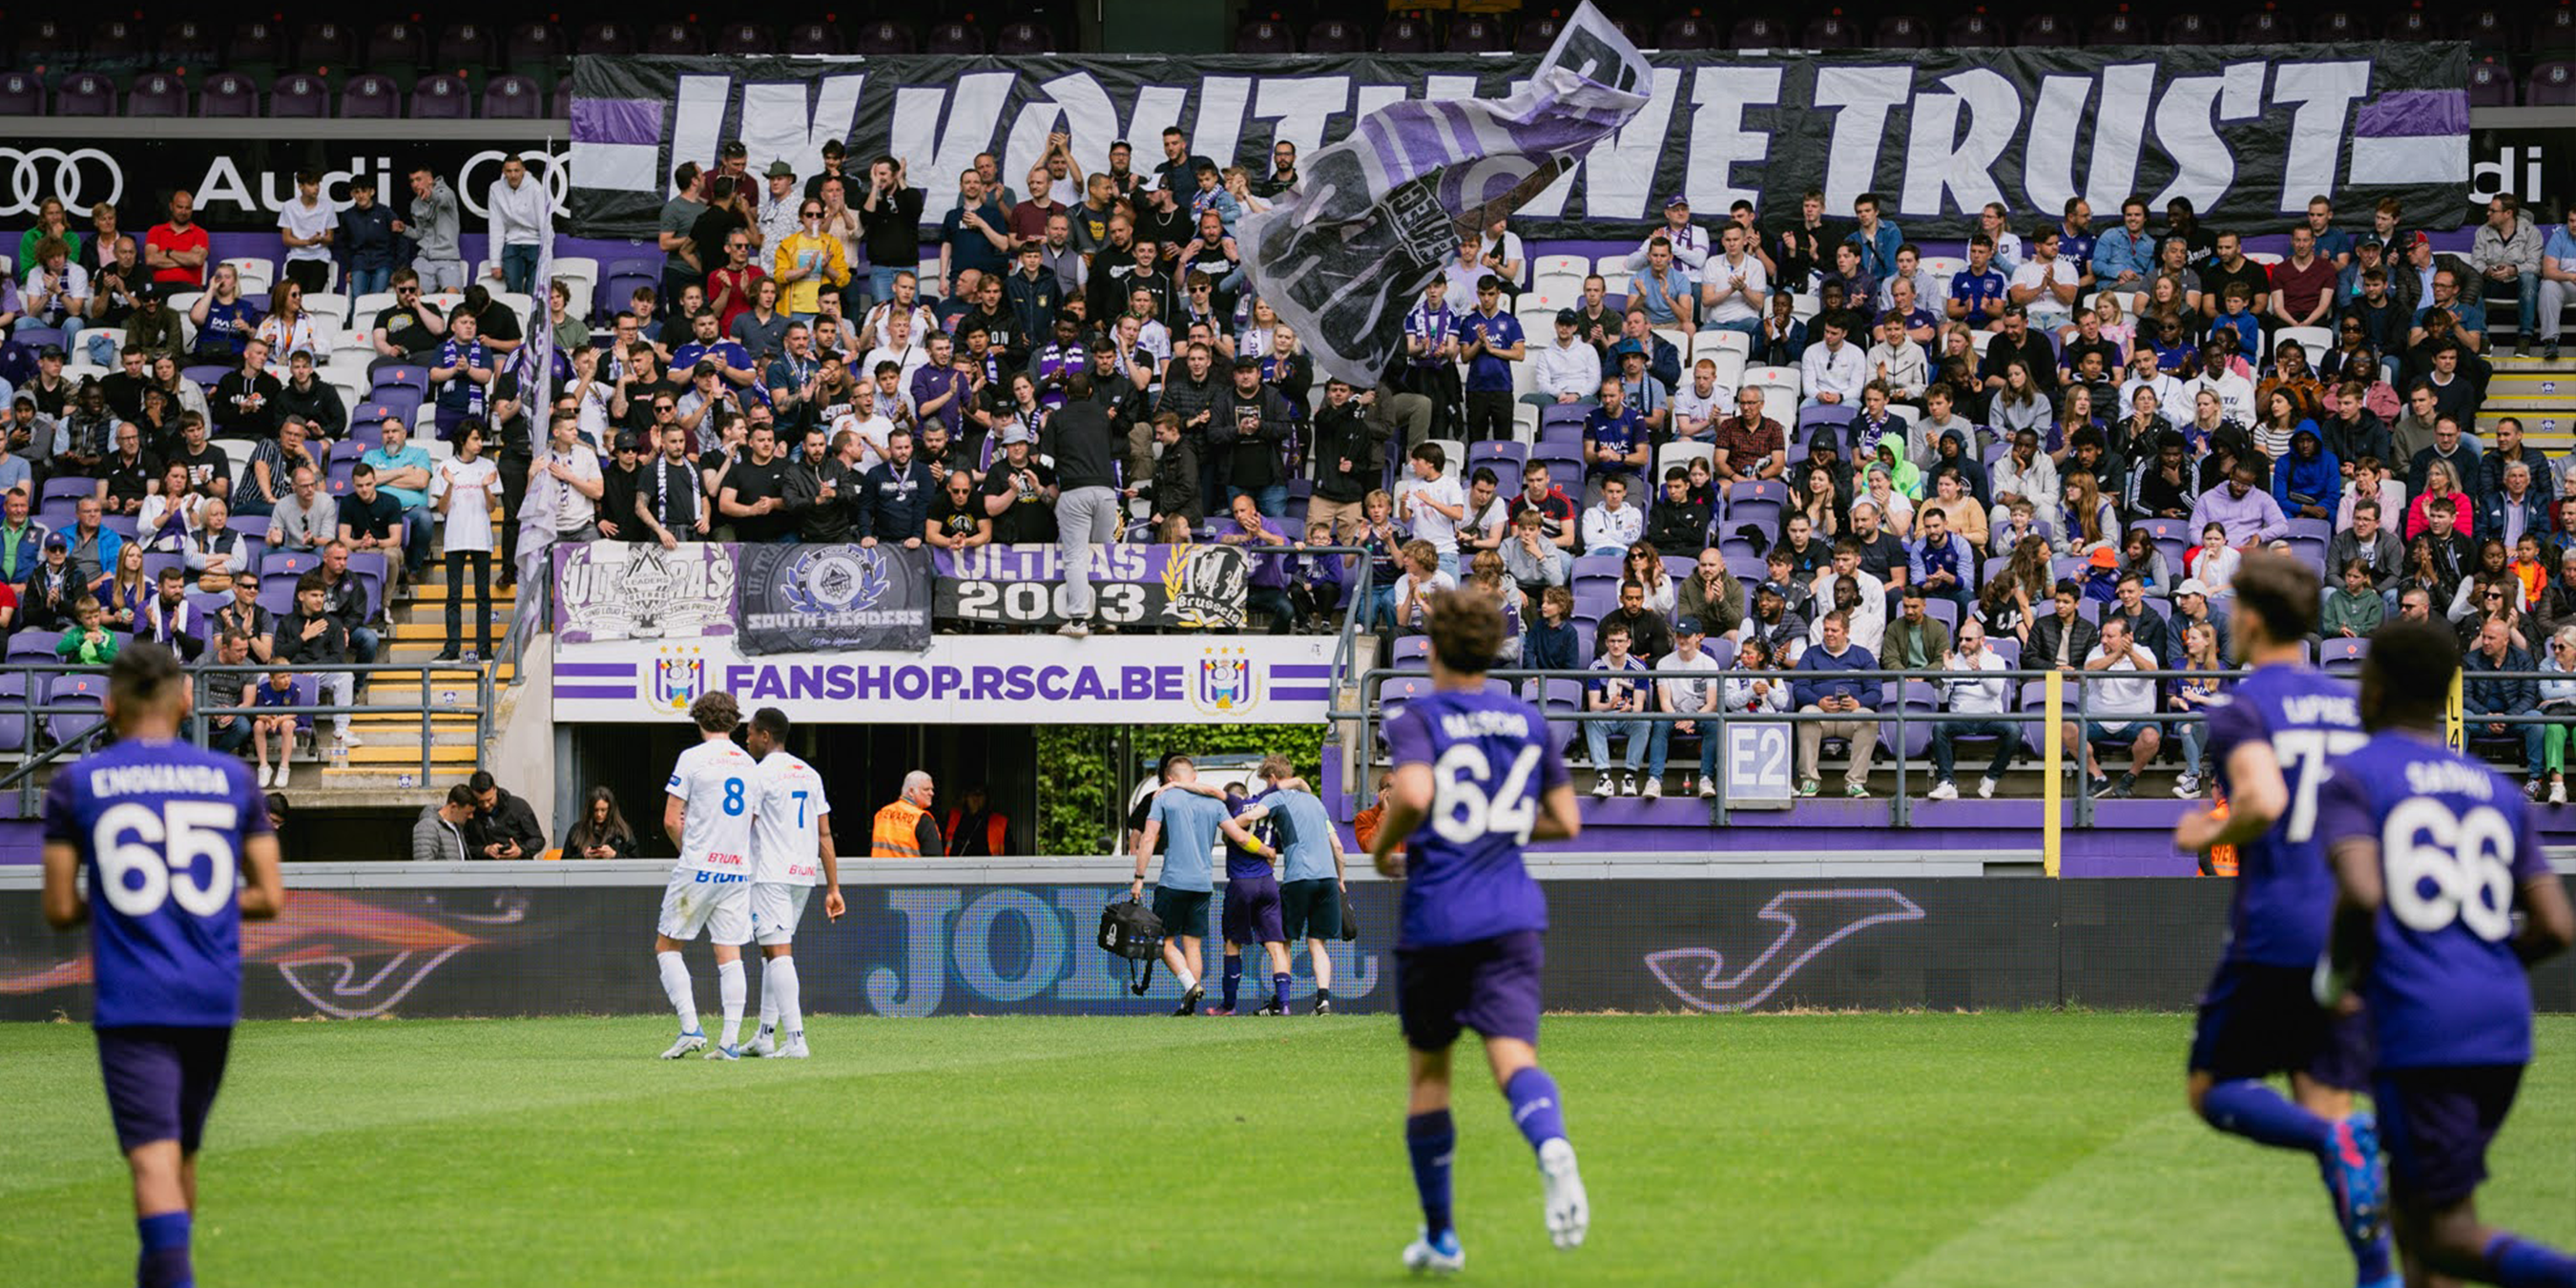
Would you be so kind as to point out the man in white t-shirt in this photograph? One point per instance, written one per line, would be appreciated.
(2045, 284)
(707, 811)
(1433, 505)
(1699, 405)
(2117, 707)
(791, 846)
(571, 471)
(900, 348)
(1733, 287)
(462, 491)
(307, 225)
(1688, 680)
(872, 430)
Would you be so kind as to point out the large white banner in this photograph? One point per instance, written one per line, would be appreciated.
(969, 679)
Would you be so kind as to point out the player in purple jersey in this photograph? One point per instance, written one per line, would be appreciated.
(164, 830)
(2430, 848)
(1477, 776)
(2273, 738)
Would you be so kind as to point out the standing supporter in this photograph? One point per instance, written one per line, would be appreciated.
(436, 221)
(306, 223)
(463, 492)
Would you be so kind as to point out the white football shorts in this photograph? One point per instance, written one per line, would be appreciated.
(776, 907)
(716, 902)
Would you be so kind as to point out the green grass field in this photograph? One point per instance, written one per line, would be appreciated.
(1915, 1150)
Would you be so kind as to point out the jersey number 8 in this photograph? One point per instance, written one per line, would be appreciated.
(2466, 860)
(1462, 812)
(165, 848)
(733, 801)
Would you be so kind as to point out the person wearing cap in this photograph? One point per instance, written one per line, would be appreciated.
(1019, 492)
(52, 587)
(1489, 342)
(1733, 285)
(1687, 684)
(1566, 371)
(522, 217)
(1689, 243)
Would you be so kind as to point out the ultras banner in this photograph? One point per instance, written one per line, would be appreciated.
(808, 599)
(1710, 946)
(2247, 133)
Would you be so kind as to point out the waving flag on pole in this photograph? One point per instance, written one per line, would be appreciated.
(1343, 255)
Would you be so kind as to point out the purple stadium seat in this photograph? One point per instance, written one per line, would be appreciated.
(2118, 27)
(746, 38)
(1404, 34)
(559, 105)
(2045, 30)
(2191, 29)
(2415, 24)
(469, 44)
(327, 46)
(2488, 31)
(2552, 85)
(1024, 38)
(1478, 34)
(2266, 26)
(88, 692)
(674, 38)
(1975, 31)
(2490, 85)
(883, 37)
(116, 38)
(530, 44)
(606, 38)
(814, 39)
(300, 97)
(372, 98)
(43, 40)
(512, 98)
(954, 40)
(256, 44)
(1333, 36)
(441, 98)
(21, 95)
(2554, 30)
(1754, 31)
(397, 44)
(157, 94)
(1537, 33)
(85, 94)
(1900, 31)
(228, 94)
(2338, 26)
(13, 715)
(189, 43)
(1264, 36)
(1832, 31)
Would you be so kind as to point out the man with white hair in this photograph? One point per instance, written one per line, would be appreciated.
(905, 829)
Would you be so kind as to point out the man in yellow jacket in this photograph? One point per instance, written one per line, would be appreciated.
(805, 259)
(905, 829)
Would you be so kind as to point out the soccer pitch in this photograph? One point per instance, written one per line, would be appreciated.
(1915, 1150)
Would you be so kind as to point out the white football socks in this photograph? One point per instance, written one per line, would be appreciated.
(729, 987)
(780, 973)
(768, 995)
(675, 984)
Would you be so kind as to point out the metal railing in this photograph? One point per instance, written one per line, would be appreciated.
(1898, 716)
(39, 749)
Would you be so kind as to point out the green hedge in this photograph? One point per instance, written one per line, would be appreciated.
(1086, 771)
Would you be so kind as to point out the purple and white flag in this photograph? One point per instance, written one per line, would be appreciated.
(1343, 255)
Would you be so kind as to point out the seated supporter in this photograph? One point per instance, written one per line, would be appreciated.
(2122, 709)
(223, 713)
(1315, 582)
(1622, 690)
(307, 518)
(1615, 441)
(1678, 525)
(1817, 689)
(1965, 690)
(1549, 643)
(344, 597)
(168, 619)
(1650, 633)
(270, 473)
(1412, 592)
(312, 637)
(87, 641)
(1612, 526)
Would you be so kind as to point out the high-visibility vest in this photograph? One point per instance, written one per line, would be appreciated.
(995, 824)
(898, 831)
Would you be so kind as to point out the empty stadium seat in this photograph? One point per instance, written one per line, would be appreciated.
(2553, 84)
(371, 97)
(257, 44)
(745, 39)
(1539, 31)
(397, 44)
(85, 94)
(1831, 31)
(1478, 34)
(470, 44)
(299, 97)
(1264, 36)
(2118, 27)
(1404, 34)
(953, 40)
(1899, 31)
(607, 37)
(512, 98)
(2191, 29)
(2266, 26)
(188, 42)
(441, 98)
(814, 39)
(1024, 38)
(1974, 31)
(883, 36)
(2414, 24)
(1333, 36)
(21, 95)
(157, 94)
(228, 94)
(327, 46)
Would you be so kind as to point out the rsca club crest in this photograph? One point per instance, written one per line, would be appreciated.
(679, 676)
(825, 581)
(1205, 586)
(1228, 683)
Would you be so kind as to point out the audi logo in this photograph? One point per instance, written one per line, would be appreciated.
(79, 179)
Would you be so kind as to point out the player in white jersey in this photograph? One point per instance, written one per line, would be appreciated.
(707, 813)
(791, 837)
